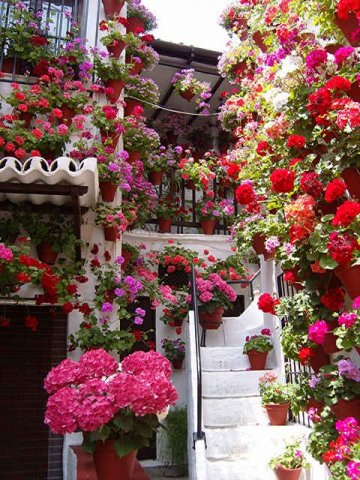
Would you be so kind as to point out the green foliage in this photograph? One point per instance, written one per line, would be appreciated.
(259, 343)
(276, 392)
(176, 433)
(322, 434)
(292, 457)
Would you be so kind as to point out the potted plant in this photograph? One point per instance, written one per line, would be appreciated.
(106, 119)
(139, 90)
(276, 397)
(122, 414)
(348, 330)
(139, 140)
(130, 254)
(257, 347)
(113, 221)
(208, 213)
(114, 75)
(175, 264)
(214, 295)
(141, 57)
(289, 465)
(174, 351)
(176, 306)
(197, 174)
(176, 434)
(112, 8)
(165, 211)
(186, 85)
(139, 18)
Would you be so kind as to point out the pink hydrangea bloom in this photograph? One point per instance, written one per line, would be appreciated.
(97, 363)
(60, 411)
(64, 374)
(152, 361)
(317, 332)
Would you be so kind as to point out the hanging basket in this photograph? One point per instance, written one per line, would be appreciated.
(156, 177)
(187, 95)
(130, 107)
(257, 359)
(137, 66)
(108, 191)
(112, 8)
(351, 177)
(350, 278)
(46, 253)
(348, 27)
(116, 50)
(109, 466)
(211, 320)
(165, 225)
(346, 408)
(284, 473)
(319, 359)
(117, 86)
(278, 413)
(134, 25)
(208, 226)
(111, 234)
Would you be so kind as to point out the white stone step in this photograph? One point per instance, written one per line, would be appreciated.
(223, 358)
(245, 442)
(235, 469)
(232, 412)
(231, 383)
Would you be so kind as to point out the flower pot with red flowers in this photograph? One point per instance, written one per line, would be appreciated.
(114, 40)
(187, 86)
(46, 253)
(106, 119)
(348, 331)
(139, 19)
(114, 75)
(174, 269)
(276, 398)
(112, 7)
(131, 107)
(113, 221)
(165, 224)
(174, 351)
(126, 422)
(141, 57)
(257, 347)
(259, 244)
(290, 464)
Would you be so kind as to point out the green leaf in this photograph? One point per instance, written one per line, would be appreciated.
(327, 263)
(123, 422)
(88, 445)
(144, 430)
(123, 447)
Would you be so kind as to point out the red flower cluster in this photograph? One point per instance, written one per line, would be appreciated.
(304, 355)
(245, 194)
(342, 246)
(334, 190)
(282, 180)
(263, 148)
(296, 141)
(333, 299)
(338, 83)
(346, 213)
(267, 303)
(310, 183)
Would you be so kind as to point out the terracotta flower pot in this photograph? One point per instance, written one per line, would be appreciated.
(329, 345)
(112, 7)
(314, 404)
(351, 177)
(156, 177)
(108, 191)
(137, 66)
(284, 473)
(116, 49)
(211, 320)
(278, 413)
(348, 27)
(68, 114)
(9, 66)
(165, 225)
(130, 106)
(109, 466)
(111, 234)
(111, 138)
(45, 253)
(134, 25)
(257, 359)
(347, 408)
(350, 278)
(117, 87)
(26, 117)
(134, 156)
(177, 363)
(319, 359)
(208, 226)
(354, 92)
(258, 244)
(187, 95)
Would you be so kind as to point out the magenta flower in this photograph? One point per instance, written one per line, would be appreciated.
(317, 332)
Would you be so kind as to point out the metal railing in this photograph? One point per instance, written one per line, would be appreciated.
(199, 434)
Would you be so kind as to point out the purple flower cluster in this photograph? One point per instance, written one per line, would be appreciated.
(349, 370)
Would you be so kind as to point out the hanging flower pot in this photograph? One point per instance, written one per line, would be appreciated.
(68, 114)
(26, 117)
(165, 225)
(126, 254)
(329, 345)
(284, 473)
(208, 225)
(350, 278)
(116, 49)
(190, 185)
(111, 234)
(137, 66)
(112, 7)
(110, 138)
(46, 253)
(257, 359)
(319, 359)
(156, 177)
(346, 408)
(351, 177)
(278, 413)
(130, 107)
(108, 191)
(211, 320)
(258, 243)
(348, 27)
(187, 94)
(319, 406)
(134, 156)
(117, 87)
(354, 92)
(177, 363)
(134, 25)
(109, 466)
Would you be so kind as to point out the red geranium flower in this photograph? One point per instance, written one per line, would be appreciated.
(267, 303)
(31, 322)
(282, 180)
(333, 299)
(346, 213)
(334, 190)
(296, 141)
(245, 194)
(310, 183)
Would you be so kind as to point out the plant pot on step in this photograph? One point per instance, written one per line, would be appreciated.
(177, 363)
(165, 225)
(112, 7)
(349, 26)
(187, 95)
(277, 413)
(351, 177)
(46, 253)
(116, 49)
(109, 466)
(208, 226)
(117, 87)
(130, 107)
(257, 359)
(108, 191)
(350, 278)
(111, 234)
(134, 25)
(347, 408)
(211, 320)
(319, 359)
(283, 473)
(156, 177)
